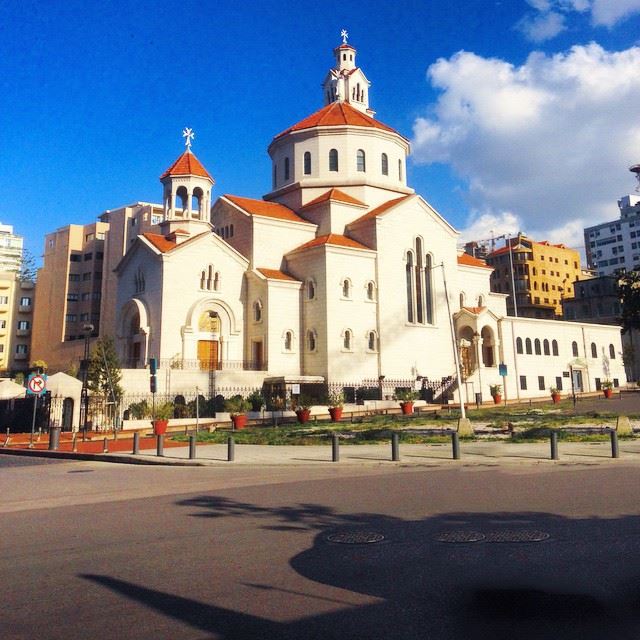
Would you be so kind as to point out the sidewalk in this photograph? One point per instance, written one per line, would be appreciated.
(493, 453)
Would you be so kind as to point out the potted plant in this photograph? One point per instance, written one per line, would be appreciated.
(162, 415)
(496, 393)
(406, 398)
(237, 407)
(257, 400)
(555, 394)
(607, 388)
(335, 400)
(302, 407)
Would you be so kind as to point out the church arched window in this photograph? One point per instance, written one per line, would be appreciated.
(371, 291)
(361, 160)
(594, 350)
(554, 347)
(333, 160)
(311, 289)
(257, 311)
(419, 285)
(536, 347)
(347, 340)
(385, 164)
(400, 170)
(216, 281)
(312, 342)
(527, 346)
(545, 347)
(372, 341)
(409, 284)
(307, 163)
(286, 168)
(612, 352)
(346, 288)
(574, 349)
(288, 341)
(518, 345)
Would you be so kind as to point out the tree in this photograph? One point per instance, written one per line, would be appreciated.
(104, 373)
(629, 292)
(27, 270)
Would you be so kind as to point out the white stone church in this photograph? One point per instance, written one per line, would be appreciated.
(337, 275)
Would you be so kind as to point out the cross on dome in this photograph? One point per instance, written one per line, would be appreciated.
(188, 135)
(344, 35)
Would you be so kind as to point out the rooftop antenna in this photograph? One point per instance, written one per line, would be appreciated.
(636, 169)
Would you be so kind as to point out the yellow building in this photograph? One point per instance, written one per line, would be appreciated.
(16, 311)
(542, 273)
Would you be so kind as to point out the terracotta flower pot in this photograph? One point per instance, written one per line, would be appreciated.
(497, 398)
(240, 421)
(407, 408)
(335, 413)
(555, 397)
(159, 427)
(607, 393)
(303, 415)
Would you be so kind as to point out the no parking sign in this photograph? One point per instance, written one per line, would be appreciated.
(37, 384)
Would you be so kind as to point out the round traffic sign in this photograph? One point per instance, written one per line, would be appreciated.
(37, 384)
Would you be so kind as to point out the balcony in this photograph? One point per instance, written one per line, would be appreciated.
(20, 356)
(26, 284)
(23, 332)
(25, 308)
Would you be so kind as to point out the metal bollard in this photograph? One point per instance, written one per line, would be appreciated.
(6, 440)
(105, 446)
(554, 445)
(74, 443)
(455, 445)
(192, 447)
(54, 438)
(160, 445)
(615, 452)
(395, 447)
(136, 443)
(231, 449)
(335, 448)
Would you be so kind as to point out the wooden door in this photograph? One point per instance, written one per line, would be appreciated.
(208, 354)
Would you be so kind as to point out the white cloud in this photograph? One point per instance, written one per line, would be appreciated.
(542, 26)
(549, 141)
(549, 16)
(490, 224)
(609, 12)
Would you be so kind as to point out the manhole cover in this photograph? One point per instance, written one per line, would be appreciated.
(516, 535)
(355, 537)
(460, 536)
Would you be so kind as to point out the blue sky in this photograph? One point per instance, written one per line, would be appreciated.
(533, 127)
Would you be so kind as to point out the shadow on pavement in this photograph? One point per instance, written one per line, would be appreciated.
(455, 575)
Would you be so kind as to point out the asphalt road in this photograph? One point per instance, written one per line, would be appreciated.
(242, 553)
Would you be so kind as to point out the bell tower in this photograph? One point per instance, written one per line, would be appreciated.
(346, 82)
(187, 192)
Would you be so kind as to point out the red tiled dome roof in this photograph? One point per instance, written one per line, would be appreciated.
(187, 165)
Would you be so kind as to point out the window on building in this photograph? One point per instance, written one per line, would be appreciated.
(523, 383)
(400, 170)
(288, 341)
(360, 160)
(286, 168)
(347, 339)
(25, 302)
(84, 317)
(4, 299)
(527, 346)
(139, 281)
(74, 277)
(333, 160)
(346, 288)
(385, 164)
(71, 317)
(311, 340)
(88, 256)
(372, 341)
(541, 386)
(574, 349)
(257, 311)
(545, 347)
(75, 257)
(536, 347)
(86, 276)
(22, 348)
(518, 345)
(594, 350)
(371, 291)
(73, 297)
(559, 383)
(612, 352)
(85, 296)
(23, 325)
(307, 163)
(311, 290)
(554, 347)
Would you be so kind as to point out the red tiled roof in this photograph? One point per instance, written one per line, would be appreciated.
(337, 114)
(187, 164)
(161, 243)
(331, 239)
(335, 194)
(267, 209)
(475, 310)
(275, 274)
(381, 209)
(469, 261)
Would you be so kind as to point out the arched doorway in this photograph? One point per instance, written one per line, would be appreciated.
(488, 347)
(209, 340)
(467, 352)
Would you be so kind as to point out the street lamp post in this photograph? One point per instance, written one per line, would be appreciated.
(87, 329)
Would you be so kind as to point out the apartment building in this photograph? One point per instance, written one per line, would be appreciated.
(76, 285)
(542, 274)
(16, 321)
